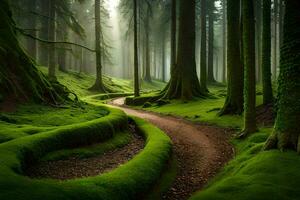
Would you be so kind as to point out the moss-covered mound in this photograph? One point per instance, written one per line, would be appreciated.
(130, 181)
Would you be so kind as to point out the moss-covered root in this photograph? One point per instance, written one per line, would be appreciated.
(287, 132)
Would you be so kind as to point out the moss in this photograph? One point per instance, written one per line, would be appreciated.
(256, 175)
(130, 181)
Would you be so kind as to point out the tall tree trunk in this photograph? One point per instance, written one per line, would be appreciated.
(275, 21)
(51, 34)
(184, 83)
(147, 76)
(98, 86)
(43, 34)
(286, 134)
(210, 64)
(258, 26)
(266, 53)
(136, 61)
(173, 33)
(249, 64)
(203, 54)
(32, 24)
(163, 56)
(224, 40)
(234, 100)
(62, 35)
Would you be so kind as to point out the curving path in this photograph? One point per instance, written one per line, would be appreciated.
(200, 150)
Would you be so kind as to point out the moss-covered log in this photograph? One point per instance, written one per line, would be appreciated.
(19, 78)
(286, 133)
(184, 83)
(234, 100)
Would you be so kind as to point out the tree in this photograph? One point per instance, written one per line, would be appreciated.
(184, 83)
(51, 35)
(136, 57)
(203, 53)
(286, 134)
(249, 67)
(173, 32)
(98, 86)
(266, 53)
(19, 78)
(234, 100)
(211, 21)
(147, 76)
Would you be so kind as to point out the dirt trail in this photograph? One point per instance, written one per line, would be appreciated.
(199, 149)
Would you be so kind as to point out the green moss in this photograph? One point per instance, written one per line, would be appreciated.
(32, 119)
(201, 110)
(255, 175)
(130, 181)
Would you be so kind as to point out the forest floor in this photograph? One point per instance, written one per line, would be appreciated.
(200, 150)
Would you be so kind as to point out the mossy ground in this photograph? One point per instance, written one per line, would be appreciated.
(252, 174)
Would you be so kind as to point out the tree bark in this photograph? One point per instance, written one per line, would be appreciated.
(98, 86)
(210, 64)
(266, 53)
(136, 61)
(51, 34)
(286, 134)
(203, 55)
(173, 33)
(184, 83)
(235, 77)
(249, 67)
(147, 76)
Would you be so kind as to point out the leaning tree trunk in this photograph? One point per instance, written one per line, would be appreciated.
(266, 53)
(234, 100)
(184, 83)
(210, 63)
(286, 133)
(249, 65)
(19, 78)
(136, 56)
(203, 54)
(98, 86)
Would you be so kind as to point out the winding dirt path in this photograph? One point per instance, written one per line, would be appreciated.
(200, 150)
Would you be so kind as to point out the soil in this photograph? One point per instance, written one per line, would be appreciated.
(201, 150)
(75, 167)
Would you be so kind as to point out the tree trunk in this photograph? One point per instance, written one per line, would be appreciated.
(234, 100)
(210, 64)
(266, 53)
(286, 133)
(147, 76)
(163, 57)
(32, 24)
(275, 21)
(184, 83)
(43, 34)
(249, 65)
(203, 55)
(173, 33)
(136, 61)
(51, 34)
(224, 40)
(98, 86)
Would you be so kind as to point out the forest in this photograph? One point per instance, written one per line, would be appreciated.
(149, 99)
